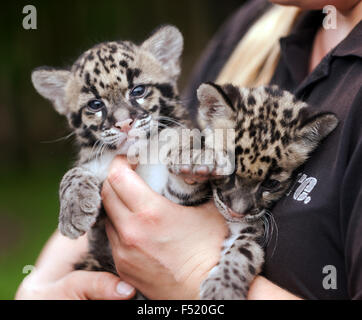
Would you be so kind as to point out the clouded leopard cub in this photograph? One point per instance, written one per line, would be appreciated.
(274, 135)
(111, 93)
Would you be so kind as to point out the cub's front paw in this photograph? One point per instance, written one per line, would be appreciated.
(177, 159)
(221, 285)
(79, 207)
(203, 165)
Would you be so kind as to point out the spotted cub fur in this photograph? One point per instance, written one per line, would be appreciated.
(274, 135)
(113, 96)
(116, 93)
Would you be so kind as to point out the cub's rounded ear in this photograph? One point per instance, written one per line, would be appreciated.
(213, 100)
(215, 106)
(50, 83)
(166, 45)
(317, 127)
(209, 94)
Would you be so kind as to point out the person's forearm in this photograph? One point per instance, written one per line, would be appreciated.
(263, 289)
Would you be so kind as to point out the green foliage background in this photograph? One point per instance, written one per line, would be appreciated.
(30, 170)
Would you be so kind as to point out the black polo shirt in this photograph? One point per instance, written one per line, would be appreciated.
(317, 251)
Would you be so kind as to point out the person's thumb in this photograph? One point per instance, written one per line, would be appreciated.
(94, 285)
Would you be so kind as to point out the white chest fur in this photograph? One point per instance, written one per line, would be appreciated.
(155, 175)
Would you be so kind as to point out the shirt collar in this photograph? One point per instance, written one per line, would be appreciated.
(307, 26)
(351, 45)
(296, 48)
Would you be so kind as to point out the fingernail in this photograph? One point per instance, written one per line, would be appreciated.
(124, 289)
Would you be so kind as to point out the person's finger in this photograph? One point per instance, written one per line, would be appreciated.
(95, 285)
(116, 211)
(129, 186)
(118, 247)
(112, 234)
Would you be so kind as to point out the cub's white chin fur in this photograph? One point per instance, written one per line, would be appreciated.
(254, 217)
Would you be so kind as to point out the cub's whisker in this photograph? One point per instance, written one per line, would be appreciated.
(60, 139)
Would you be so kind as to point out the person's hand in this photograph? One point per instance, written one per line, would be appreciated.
(163, 249)
(54, 279)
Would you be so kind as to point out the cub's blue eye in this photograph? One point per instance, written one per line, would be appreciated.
(95, 105)
(138, 91)
(270, 184)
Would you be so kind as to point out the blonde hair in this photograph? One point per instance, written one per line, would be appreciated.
(255, 58)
